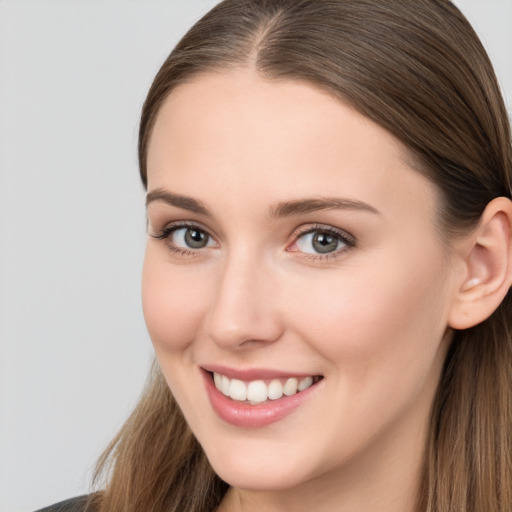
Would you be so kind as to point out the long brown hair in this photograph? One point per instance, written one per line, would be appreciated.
(417, 68)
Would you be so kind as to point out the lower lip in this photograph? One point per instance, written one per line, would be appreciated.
(245, 415)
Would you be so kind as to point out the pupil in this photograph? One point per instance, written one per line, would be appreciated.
(196, 238)
(323, 243)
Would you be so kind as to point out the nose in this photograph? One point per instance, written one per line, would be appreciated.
(244, 312)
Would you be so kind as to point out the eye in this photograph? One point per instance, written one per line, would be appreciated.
(190, 238)
(185, 238)
(322, 241)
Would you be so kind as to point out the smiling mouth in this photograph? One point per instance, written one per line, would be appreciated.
(257, 392)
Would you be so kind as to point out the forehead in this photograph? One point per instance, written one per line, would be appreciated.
(212, 102)
(285, 137)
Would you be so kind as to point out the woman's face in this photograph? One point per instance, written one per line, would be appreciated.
(292, 244)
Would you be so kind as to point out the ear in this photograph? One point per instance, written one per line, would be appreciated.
(487, 255)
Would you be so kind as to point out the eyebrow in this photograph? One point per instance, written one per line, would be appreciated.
(302, 206)
(183, 202)
(284, 209)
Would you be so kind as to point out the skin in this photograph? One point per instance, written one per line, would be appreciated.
(372, 319)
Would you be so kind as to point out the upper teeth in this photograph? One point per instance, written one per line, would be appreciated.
(257, 391)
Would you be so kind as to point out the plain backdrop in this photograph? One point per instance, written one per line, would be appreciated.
(73, 347)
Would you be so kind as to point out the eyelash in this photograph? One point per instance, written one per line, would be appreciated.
(348, 240)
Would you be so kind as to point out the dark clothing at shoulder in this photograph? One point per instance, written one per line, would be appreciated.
(73, 505)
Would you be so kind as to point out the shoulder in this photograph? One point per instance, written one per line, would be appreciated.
(73, 505)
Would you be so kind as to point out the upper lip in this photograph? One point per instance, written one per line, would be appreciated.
(249, 374)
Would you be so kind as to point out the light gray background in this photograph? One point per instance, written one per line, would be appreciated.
(73, 347)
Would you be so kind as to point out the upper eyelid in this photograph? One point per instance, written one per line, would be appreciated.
(175, 225)
(311, 228)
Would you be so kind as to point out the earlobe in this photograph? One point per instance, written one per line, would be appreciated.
(488, 262)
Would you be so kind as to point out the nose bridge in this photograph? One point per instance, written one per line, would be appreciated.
(243, 309)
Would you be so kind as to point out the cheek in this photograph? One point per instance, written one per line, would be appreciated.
(378, 322)
(170, 300)
(380, 336)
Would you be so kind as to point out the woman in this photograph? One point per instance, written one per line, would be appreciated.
(327, 273)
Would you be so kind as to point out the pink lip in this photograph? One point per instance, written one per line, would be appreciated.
(253, 373)
(253, 416)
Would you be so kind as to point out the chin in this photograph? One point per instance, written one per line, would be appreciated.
(247, 478)
(260, 469)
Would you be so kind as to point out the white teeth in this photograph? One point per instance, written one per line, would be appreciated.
(256, 391)
(305, 383)
(237, 390)
(290, 386)
(224, 385)
(275, 390)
